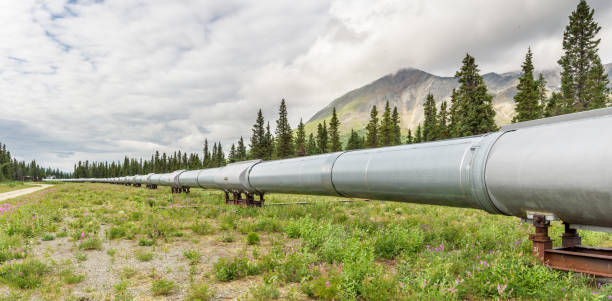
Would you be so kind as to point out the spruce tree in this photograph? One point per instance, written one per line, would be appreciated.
(311, 146)
(220, 155)
(418, 135)
(322, 138)
(258, 137)
(268, 144)
(443, 121)
(334, 133)
(284, 136)
(372, 129)
(232, 157)
(300, 140)
(475, 103)
(397, 131)
(385, 131)
(527, 97)
(552, 107)
(409, 138)
(541, 84)
(354, 141)
(430, 124)
(214, 157)
(598, 92)
(241, 152)
(582, 73)
(454, 117)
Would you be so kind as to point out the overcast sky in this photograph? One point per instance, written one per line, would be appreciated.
(100, 79)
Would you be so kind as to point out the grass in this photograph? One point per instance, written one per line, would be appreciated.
(162, 287)
(6, 186)
(326, 251)
(143, 255)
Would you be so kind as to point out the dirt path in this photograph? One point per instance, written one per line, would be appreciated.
(16, 193)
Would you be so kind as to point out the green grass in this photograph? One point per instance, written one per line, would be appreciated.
(326, 250)
(162, 287)
(7, 186)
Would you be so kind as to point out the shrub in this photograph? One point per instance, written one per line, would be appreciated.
(252, 238)
(327, 286)
(295, 267)
(238, 267)
(193, 256)
(200, 292)
(143, 256)
(25, 275)
(162, 287)
(146, 242)
(116, 232)
(390, 242)
(90, 244)
(379, 288)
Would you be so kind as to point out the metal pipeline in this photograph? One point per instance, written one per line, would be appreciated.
(558, 167)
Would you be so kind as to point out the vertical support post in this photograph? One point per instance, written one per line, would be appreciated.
(570, 237)
(541, 241)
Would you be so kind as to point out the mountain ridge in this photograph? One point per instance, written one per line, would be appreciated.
(407, 88)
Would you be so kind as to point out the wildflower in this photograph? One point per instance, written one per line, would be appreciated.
(327, 284)
(501, 288)
(82, 234)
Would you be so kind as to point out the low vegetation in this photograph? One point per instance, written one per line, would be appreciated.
(108, 242)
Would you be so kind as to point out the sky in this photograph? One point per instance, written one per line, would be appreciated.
(98, 80)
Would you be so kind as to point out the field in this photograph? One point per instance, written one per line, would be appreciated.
(10, 186)
(109, 242)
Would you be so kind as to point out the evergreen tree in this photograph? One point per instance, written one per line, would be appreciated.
(372, 129)
(443, 121)
(311, 146)
(454, 117)
(397, 131)
(334, 133)
(220, 155)
(354, 141)
(582, 73)
(386, 127)
(300, 140)
(322, 138)
(527, 97)
(214, 156)
(430, 124)
(241, 152)
(598, 93)
(284, 136)
(418, 135)
(232, 157)
(258, 138)
(475, 110)
(268, 144)
(541, 84)
(553, 105)
(409, 138)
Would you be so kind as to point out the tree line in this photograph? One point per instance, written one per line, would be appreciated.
(584, 86)
(13, 170)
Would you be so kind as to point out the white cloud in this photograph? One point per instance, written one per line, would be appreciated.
(99, 79)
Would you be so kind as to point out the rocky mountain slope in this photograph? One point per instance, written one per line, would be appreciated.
(407, 89)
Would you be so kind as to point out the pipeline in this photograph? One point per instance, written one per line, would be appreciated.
(557, 168)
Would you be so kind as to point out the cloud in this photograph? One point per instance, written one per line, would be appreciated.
(96, 80)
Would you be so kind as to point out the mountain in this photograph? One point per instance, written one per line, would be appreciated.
(407, 88)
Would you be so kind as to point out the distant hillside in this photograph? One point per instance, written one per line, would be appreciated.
(407, 89)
